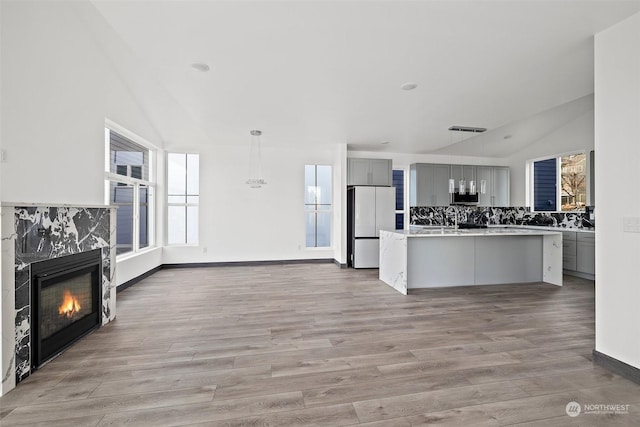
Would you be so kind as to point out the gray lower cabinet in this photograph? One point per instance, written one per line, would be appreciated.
(578, 252)
(376, 172)
(569, 252)
(586, 253)
(429, 184)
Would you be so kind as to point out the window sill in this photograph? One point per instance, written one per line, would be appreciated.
(130, 255)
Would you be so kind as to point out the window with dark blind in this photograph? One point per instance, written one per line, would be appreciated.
(544, 185)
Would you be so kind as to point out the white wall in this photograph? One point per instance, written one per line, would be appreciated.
(57, 91)
(617, 106)
(238, 223)
(64, 72)
(4, 312)
(58, 87)
(129, 268)
(576, 135)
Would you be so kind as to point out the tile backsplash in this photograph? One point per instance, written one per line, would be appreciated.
(445, 215)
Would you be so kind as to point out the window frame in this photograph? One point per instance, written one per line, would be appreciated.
(328, 211)
(136, 183)
(186, 204)
(405, 202)
(529, 179)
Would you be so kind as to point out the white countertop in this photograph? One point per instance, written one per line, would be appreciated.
(536, 227)
(473, 232)
(55, 205)
(511, 226)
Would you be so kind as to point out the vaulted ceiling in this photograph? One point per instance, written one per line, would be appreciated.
(318, 72)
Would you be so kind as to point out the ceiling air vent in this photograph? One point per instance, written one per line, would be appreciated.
(467, 129)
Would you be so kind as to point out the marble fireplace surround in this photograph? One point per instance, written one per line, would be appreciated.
(32, 233)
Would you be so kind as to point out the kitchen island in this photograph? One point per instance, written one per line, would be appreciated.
(441, 257)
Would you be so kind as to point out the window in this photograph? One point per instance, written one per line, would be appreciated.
(317, 203)
(544, 185)
(398, 183)
(183, 194)
(560, 181)
(573, 178)
(130, 187)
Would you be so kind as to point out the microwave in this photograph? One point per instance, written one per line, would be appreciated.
(464, 199)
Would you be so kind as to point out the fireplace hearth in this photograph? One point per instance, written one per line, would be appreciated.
(66, 302)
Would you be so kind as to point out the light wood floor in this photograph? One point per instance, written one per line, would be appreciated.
(314, 345)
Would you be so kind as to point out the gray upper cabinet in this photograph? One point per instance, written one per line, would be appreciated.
(467, 172)
(501, 186)
(429, 184)
(485, 173)
(498, 185)
(369, 172)
(441, 196)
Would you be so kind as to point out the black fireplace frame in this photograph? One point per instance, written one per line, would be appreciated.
(49, 272)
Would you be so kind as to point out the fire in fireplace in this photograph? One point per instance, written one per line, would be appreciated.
(66, 296)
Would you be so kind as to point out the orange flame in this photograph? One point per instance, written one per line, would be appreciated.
(70, 305)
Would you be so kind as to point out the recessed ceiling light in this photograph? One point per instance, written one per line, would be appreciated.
(384, 142)
(507, 136)
(201, 66)
(409, 86)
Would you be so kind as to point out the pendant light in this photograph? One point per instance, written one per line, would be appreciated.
(462, 184)
(452, 182)
(472, 187)
(483, 182)
(255, 161)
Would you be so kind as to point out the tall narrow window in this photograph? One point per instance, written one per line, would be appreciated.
(398, 183)
(317, 203)
(130, 187)
(183, 197)
(573, 176)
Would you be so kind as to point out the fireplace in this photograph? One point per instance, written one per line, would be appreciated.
(66, 294)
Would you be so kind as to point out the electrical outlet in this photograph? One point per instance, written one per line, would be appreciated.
(204, 249)
(3, 156)
(631, 224)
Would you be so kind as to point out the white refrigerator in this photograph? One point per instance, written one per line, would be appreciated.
(369, 209)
